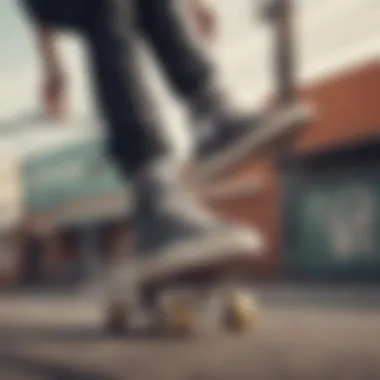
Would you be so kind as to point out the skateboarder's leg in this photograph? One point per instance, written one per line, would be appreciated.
(166, 220)
(183, 60)
(222, 135)
(136, 135)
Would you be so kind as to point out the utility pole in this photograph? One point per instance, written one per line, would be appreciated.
(280, 14)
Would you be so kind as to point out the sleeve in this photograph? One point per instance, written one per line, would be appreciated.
(34, 9)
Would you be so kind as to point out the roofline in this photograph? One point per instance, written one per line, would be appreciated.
(352, 59)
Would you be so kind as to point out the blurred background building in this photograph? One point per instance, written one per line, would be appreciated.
(64, 211)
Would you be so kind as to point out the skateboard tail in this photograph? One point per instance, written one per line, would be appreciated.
(283, 121)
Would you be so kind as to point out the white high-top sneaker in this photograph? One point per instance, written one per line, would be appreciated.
(174, 232)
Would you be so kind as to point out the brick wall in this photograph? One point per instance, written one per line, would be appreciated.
(349, 110)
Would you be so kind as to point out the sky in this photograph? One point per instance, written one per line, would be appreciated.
(19, 72)
(330, 35)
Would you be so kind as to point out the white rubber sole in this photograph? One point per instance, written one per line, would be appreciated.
(212, 250)
(283, 121)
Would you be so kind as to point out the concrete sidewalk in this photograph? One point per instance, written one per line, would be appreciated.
(319, 333)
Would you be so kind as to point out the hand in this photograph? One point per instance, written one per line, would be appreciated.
(205, 19)
(54, 85)
(54, 97)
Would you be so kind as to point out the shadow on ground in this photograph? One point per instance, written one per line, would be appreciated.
(83, 335)
(39, 368)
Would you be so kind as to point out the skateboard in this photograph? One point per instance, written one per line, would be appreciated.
(188, 302)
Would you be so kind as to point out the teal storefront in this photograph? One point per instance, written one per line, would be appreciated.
(331, 215)
(72, 173)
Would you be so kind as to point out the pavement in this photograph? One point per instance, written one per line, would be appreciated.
(303, 333)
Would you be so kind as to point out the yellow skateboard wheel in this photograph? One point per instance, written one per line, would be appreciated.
(240, 311)
(116, 317)
(180, 317)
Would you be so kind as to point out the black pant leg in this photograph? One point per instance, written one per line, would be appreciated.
(180, 55)
(136, 133)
